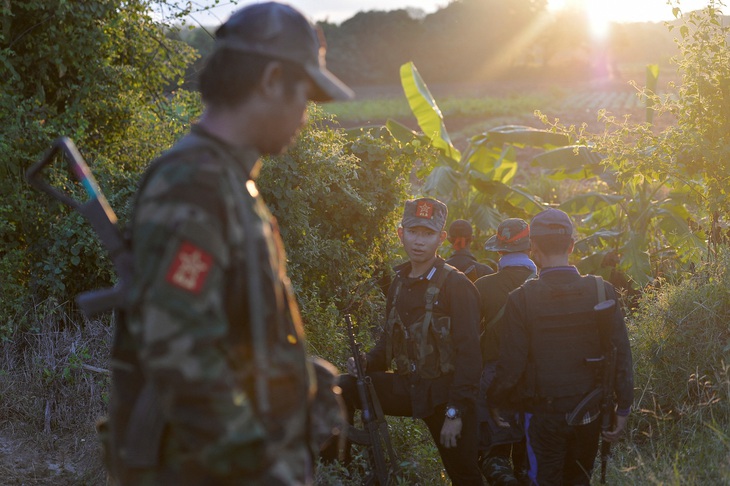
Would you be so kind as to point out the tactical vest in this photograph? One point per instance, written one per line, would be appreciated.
(563, 333)
(424, 347)
(269, 357)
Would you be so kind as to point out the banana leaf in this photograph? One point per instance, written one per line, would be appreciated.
(495, 190)
(573, 161)
(401, 132)
(636, 261)
(442, 182)
(426, 111)
(597, 239)
(593, 264)
(486, 217)
(490, 163)
(523, 136)
(589, 202)
(673, 223)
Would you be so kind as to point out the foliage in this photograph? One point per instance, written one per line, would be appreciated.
(71, 69)
(476, 184)
(681, 347)
(337, 199)
(670, 203)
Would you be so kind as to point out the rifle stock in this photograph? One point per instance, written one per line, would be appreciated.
(604, 312)
(101, 217)
(381, 453)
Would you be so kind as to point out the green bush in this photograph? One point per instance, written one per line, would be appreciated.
(681, 344)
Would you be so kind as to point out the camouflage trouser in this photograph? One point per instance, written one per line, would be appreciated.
(498, 471)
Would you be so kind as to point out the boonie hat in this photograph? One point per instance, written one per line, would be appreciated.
(551, 222)
(460, 228)
(513, 234)
(279, 31)
(425, 211)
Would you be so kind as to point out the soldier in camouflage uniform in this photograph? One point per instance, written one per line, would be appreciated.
(431, 334)
(211, 383)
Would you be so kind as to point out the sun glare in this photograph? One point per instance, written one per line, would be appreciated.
(599, 20)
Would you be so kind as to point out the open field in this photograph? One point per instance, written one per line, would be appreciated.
(469, 109)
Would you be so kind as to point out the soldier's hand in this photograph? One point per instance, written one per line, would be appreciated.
(450, 432)
(497, 417)
(352, 369)
(619, 426)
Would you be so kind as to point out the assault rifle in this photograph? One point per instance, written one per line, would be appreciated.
(98, 212)
(604, 312)
(376, 436)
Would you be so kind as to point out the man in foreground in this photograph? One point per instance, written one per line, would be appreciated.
(550, 354)
(432, 317)
(211, 383)
(502, 449)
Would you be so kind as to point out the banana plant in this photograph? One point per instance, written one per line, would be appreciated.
(638, 224)
(476, 184)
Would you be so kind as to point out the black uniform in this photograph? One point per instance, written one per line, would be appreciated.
(410, 394)
(464, 261)
(550, 329)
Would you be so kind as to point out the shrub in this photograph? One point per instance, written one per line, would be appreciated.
(681, 344)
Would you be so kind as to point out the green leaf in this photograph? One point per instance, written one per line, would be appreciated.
(426, 111)
(490, 163)
(442, 182)
(573, 161)
(486, 217)
(589, 202)
(527, 136)
(401, 132)
(597, 239)
(593, 264)
(635, 260)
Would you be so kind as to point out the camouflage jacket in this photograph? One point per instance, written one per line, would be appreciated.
(214, 324)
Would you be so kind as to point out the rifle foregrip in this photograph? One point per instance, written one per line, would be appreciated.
(96, 302)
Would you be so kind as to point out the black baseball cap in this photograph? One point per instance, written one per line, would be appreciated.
(551, 222)
(281, 32)
(460, 228)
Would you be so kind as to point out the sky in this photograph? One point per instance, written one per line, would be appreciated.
(336, 11)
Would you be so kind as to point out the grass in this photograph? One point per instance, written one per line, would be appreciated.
(367, 111)
(52, 392)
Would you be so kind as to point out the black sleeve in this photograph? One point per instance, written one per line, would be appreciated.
(463, 301)
(514, 337)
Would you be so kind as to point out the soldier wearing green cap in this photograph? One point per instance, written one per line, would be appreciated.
(211, 383)
(502, 450)
(550, 340)
(431, 334)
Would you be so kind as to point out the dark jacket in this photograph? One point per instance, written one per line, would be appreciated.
(464, 261)
(493, 292)
(459, 300)
(513, 384)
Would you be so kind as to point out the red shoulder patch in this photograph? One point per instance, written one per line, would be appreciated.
(189, 269)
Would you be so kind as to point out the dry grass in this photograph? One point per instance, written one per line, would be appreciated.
(52, 391)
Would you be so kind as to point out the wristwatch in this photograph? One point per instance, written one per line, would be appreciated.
(452, 413)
